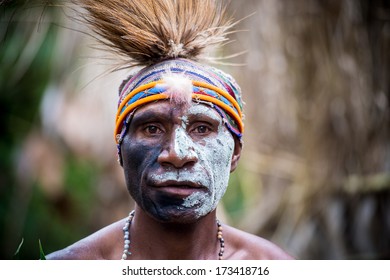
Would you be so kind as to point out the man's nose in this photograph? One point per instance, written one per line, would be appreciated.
(179, 150)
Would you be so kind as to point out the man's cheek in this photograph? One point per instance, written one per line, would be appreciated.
(136, 152)
(137, 159)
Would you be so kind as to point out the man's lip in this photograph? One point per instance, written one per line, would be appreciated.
(180, 189)
(178, 184)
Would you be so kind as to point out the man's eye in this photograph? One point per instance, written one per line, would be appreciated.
(152, 129)
(202, 129)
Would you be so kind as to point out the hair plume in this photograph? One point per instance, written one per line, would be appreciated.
(145, 32)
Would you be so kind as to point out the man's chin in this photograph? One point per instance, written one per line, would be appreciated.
(175, 215)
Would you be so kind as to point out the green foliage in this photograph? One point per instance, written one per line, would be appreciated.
(42, 255)
(60, 221)
(17, 253)
(242, 194)
(29, 64)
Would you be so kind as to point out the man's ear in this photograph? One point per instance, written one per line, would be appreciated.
(236, 154)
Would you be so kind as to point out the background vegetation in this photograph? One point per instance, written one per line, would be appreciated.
(315, 172)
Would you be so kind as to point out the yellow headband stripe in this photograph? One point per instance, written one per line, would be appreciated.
(134, 105)
(134, 92)
(120, 116)
(223, 106)
(221, 92)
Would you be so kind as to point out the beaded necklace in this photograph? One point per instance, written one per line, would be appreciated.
(126, 237)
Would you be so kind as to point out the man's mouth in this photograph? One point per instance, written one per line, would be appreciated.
(178, 188)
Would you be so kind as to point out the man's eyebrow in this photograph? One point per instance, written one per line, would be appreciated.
(205, 115)
(144, 117)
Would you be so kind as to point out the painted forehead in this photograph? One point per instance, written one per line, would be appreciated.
(171, 109)
(204, 110)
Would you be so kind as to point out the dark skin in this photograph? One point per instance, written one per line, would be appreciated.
(164, 140)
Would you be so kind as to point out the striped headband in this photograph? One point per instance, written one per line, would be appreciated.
(209, 85)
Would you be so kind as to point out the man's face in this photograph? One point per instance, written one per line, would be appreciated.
(177, 160)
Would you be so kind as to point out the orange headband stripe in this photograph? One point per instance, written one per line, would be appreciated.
(121, 115)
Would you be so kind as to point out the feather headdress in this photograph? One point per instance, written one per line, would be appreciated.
(166, 37)
(145, 32)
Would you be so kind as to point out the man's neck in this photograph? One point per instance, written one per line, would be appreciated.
(151, 239)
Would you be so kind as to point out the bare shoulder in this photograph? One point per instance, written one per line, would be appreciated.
(245, 246)
(99, 245)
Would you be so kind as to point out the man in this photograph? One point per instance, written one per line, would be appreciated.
(178, 132)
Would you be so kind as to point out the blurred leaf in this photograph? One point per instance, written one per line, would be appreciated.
(17, 253)
(41, 253)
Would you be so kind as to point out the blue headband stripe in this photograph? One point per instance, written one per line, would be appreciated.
(160, 88)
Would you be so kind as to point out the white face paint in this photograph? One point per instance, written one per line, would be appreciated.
(213, 156)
